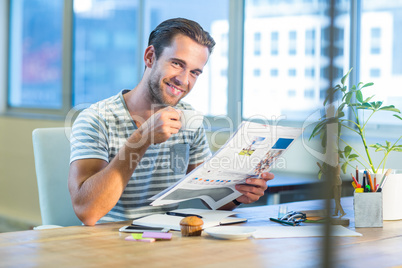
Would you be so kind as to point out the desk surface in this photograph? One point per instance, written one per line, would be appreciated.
(103, 245)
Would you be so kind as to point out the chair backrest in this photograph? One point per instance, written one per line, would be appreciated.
(52, 157)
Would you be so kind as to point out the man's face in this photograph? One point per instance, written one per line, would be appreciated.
(174, 74)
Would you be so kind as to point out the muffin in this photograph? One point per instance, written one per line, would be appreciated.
(191, 226)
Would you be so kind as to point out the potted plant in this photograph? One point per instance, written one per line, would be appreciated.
(359, 105)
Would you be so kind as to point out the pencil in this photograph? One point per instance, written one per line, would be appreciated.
(370, 181)
(358, 185)
(357, 173)
(375, 183)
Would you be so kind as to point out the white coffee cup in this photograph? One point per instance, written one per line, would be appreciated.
(191, 120)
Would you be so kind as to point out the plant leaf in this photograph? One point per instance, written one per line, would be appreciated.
(388, 145)
(368, 99)
(364, 105)
(377, 104)
(340, 108)
(367, 85)
(345, 76)
(359, 96)
(317, 129)
(390, 108)
(347, 150)
(344, 166)
(348, 97)
(397, 116)
(339, 115)
(343, 89)
(375, 145)
(323, 136)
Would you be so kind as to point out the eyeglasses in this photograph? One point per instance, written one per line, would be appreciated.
(294, 217)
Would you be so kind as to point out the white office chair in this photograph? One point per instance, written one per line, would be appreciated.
(52, 155)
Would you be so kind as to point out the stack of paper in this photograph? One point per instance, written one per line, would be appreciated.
(209, 217)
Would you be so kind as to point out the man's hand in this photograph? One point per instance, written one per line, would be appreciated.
(254, 188)
(161, 125)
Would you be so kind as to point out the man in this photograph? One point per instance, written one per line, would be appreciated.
(122, 148)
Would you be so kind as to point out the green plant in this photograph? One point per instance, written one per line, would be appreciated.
(358, 105)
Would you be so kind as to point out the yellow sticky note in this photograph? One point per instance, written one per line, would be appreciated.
(137, 235)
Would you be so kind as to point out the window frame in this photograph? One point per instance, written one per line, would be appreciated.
(4, 48)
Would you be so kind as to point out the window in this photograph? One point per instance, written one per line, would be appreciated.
(291, 93)
(108, 40)
(210, 93)
(310, 42)
(292, 43)
(105, 49)
(292, 72)
(375, 73)
(309, 93)
(375, 41)
(279, 43)
(304, 34)
(309, 72)
(257, 44)
(35, 77)
(381, 47)
(274, 43)
(274, 72)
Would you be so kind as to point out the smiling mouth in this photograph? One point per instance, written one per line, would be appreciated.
(175, 90)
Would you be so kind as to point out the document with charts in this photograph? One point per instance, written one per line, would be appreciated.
(251, 150)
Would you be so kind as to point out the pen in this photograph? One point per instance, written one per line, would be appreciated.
(283, 222)
(364, 181)
(171, 213)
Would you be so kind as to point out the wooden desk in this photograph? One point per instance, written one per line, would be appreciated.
(103, 245)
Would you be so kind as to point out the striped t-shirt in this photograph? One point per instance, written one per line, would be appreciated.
(102, 129)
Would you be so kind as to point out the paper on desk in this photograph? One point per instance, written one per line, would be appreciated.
(301, 231)
(210, 218)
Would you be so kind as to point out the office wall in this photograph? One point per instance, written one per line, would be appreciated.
(19, 202)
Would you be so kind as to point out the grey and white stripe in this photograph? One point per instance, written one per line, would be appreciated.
(102, 129)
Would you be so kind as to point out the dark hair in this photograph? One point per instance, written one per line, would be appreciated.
(163, 34)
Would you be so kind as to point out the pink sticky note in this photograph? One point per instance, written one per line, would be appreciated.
(157, 235)
(130, 238)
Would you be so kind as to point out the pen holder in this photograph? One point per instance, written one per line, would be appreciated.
(368, 209)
